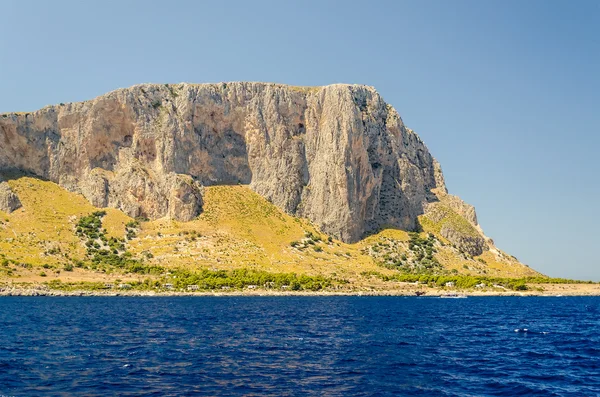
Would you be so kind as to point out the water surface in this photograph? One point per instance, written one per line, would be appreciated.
(299, 346)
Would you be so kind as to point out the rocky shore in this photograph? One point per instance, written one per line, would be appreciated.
(548, 290)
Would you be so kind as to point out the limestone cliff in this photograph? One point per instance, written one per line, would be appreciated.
(9, 201)
(337, 155)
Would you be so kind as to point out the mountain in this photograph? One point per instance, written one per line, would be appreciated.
(337, 160)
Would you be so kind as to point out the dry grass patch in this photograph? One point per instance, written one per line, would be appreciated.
(237, 229)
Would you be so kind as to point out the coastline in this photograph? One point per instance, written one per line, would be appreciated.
(549, 290)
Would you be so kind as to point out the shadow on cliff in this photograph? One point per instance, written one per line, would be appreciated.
(397, 212)
(417, 228)
(8, 174)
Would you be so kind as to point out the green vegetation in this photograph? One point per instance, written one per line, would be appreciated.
(242, 278)
(423, 250)
(76, 286)
(102, 250)
(468, 282)
(315, 238)
(310, 239)
(416, 258)
(208, 280)
(131, 229)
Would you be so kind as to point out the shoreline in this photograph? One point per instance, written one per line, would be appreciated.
(559, 290)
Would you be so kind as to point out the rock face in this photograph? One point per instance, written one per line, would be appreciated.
(8, 199)
(337, 155)
(457, 222)
(471, 244)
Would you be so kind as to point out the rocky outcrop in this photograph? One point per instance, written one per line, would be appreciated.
(472, 244)
(337, 155)
(463, 209)
(140, 194)
(9, 201)
(457, 222)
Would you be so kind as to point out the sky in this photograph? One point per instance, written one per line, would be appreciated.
(506, 94)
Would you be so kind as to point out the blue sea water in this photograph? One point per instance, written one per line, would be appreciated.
(299, 346)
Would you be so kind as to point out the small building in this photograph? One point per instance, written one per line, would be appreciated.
(285, 287)
(450, 284)
(124, 286)
(192, 288)
(480, 285)
(251, 287)
(225, 287)
(168, 286)
(109, 286)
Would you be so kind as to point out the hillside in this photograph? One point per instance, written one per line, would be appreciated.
(325, 185)
(238, 229)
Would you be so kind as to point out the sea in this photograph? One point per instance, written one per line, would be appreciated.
(299, 346)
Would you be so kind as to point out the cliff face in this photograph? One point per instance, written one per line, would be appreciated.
(9, 201)
(337, 155)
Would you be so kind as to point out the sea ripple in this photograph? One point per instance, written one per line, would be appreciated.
(299, 346)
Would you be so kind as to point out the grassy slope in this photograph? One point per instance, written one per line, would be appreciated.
(41, 232)
(490, 263)
(238, 228)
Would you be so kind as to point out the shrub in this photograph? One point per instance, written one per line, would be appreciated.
(132, 224)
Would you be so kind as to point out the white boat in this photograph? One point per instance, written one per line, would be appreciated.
(453, 296)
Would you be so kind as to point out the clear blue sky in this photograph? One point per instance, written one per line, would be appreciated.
(504, 93)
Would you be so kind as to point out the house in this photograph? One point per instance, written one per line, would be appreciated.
(109, 286)
(450, 284)
(124, 286)
(192, 288)
(168, 286)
